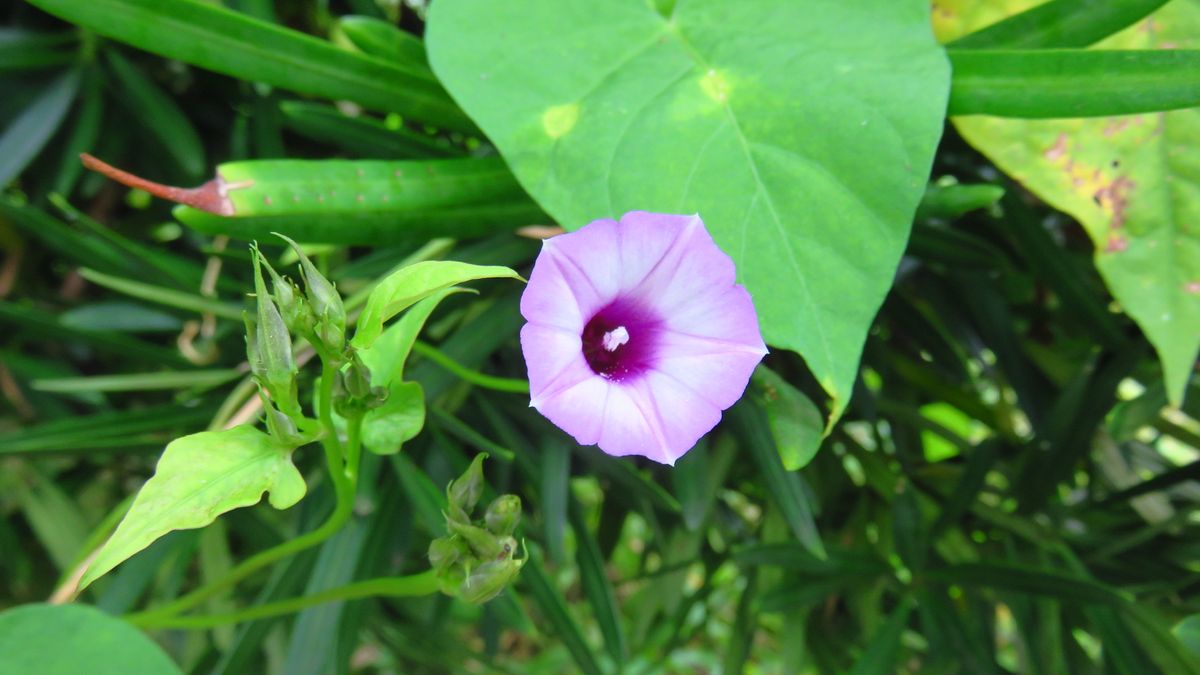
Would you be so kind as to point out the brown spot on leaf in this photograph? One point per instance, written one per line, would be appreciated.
(1058, 149)
(1193, 287)
(1116, 243)
(1114, 198)
(1115, 126)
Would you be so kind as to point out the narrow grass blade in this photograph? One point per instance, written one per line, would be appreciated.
(25, 136)
(234, 44)
(786, 487)
(554, 607)
(163, 296)
(1047, 84)
(184, 379)
(1059, 24)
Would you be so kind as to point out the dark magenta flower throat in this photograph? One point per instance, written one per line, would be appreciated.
(620, 341)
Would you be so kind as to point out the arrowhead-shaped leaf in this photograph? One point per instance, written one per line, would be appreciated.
(802, 132)
(198, 478)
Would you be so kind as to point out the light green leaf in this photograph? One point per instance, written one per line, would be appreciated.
(1130, 183)
(794, 420)
(72, 639)
(402, 416)
(198, 478)
(409, 285)
(758, 115)
(399, 419)
(387, 356)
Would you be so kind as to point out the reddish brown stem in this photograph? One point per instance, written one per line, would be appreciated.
(207, 197)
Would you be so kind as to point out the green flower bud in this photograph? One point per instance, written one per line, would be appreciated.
(489, 579)
(445, 552)
(358, 379)
(451, 579)
(282, 427)
(484, 544)
(297, 313)
(277, 368)
(326, 303)
(379, 396)
(253, 355)
(331, 334)
(464, 492)
(503, 514)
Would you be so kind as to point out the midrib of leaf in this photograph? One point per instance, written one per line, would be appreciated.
(212, 483)
(704, 66)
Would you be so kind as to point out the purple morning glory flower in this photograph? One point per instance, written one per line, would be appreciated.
(637, 336)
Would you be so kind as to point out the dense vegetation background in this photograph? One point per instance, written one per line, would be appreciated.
(1009, 488)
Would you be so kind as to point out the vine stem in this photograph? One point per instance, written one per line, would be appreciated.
(424, 583)
(344, 486)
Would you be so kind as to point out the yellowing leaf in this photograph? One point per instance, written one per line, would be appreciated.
(198, 478)
(1133, 182)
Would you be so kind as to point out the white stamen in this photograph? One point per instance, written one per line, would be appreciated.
(615, 338)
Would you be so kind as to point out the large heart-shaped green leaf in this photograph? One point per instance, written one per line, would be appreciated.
(1132, 182)
(801, 132)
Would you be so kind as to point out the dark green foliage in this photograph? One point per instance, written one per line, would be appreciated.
(1007, 491)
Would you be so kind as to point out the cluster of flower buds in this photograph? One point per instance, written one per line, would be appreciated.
(476, 560)
(319, 316)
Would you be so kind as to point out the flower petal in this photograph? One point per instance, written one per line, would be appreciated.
(554, 357)
(676, 260)
(579, 409)
(726, 316)
(589, 262)
(682, 414)
(632, 426)
(719, 378)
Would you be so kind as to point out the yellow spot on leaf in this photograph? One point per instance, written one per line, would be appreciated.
(558, 120)
(715, 86)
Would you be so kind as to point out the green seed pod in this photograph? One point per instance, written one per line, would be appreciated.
(503, 515)
(489, 579)
(464, 492)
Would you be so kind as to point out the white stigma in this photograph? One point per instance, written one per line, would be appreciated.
(615, 338)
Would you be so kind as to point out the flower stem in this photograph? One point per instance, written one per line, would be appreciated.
(344, 485)
(424, 583)
(510, 385)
